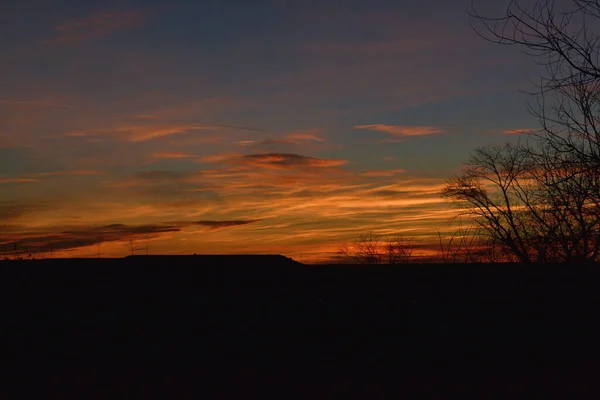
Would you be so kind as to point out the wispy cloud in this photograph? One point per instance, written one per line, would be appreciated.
(266, 142)
(402, 130)
(67, 173)
(383, 173)
(277, 161)
(159, 175)
(286, 161)
(294, 138)
(214, 225)
(306, 135)
(97, 25)
(170, 155)
(518, 131)
(13, 209)
(141, 133)
(216, 158)
(73, 238)
(42, 175)
(16, 180)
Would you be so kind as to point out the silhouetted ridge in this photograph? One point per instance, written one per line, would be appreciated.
(213, 259)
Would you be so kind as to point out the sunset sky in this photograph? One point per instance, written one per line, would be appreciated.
(224, 126)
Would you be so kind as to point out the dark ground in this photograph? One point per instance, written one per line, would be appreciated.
(235, 310)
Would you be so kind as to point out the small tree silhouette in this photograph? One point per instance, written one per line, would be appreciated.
(399, 250)
(369, 248)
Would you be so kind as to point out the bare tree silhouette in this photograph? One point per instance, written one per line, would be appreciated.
(540, 198)
(367, 248)
(399, 249)
(370, 248)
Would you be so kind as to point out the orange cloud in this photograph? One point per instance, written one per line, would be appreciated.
(517, 131)
(215, 158)
(141, 133)
(98, 24)
(306, 135)
(36, 177)
(16, 180)
(299, 207)
(294, 138)
(169, 155)
(279, 161)
(75, 173)
(402, 130)
(390, 172)
(287, 161)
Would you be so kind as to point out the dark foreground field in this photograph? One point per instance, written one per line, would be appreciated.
(262, 309)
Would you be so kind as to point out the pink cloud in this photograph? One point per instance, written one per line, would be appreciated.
(98, 24)
(401, 130)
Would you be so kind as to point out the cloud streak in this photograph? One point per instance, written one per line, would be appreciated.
(517, 131)
(142, 133)
(214, 225)
(173, 155)
(287, 161)
(43, 242)
(17, 180)
(383, 173)
(401, 130)
(295, 138)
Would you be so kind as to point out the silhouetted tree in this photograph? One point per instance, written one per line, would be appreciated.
(540, 214)
(399, 250)
(565, 41)
(468, 245)
(370, 248)
(345, 254)
(367, 248)
(540, 199)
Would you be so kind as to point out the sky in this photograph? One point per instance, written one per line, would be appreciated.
(235, 126)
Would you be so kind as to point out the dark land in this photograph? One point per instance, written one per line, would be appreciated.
(226, 309)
